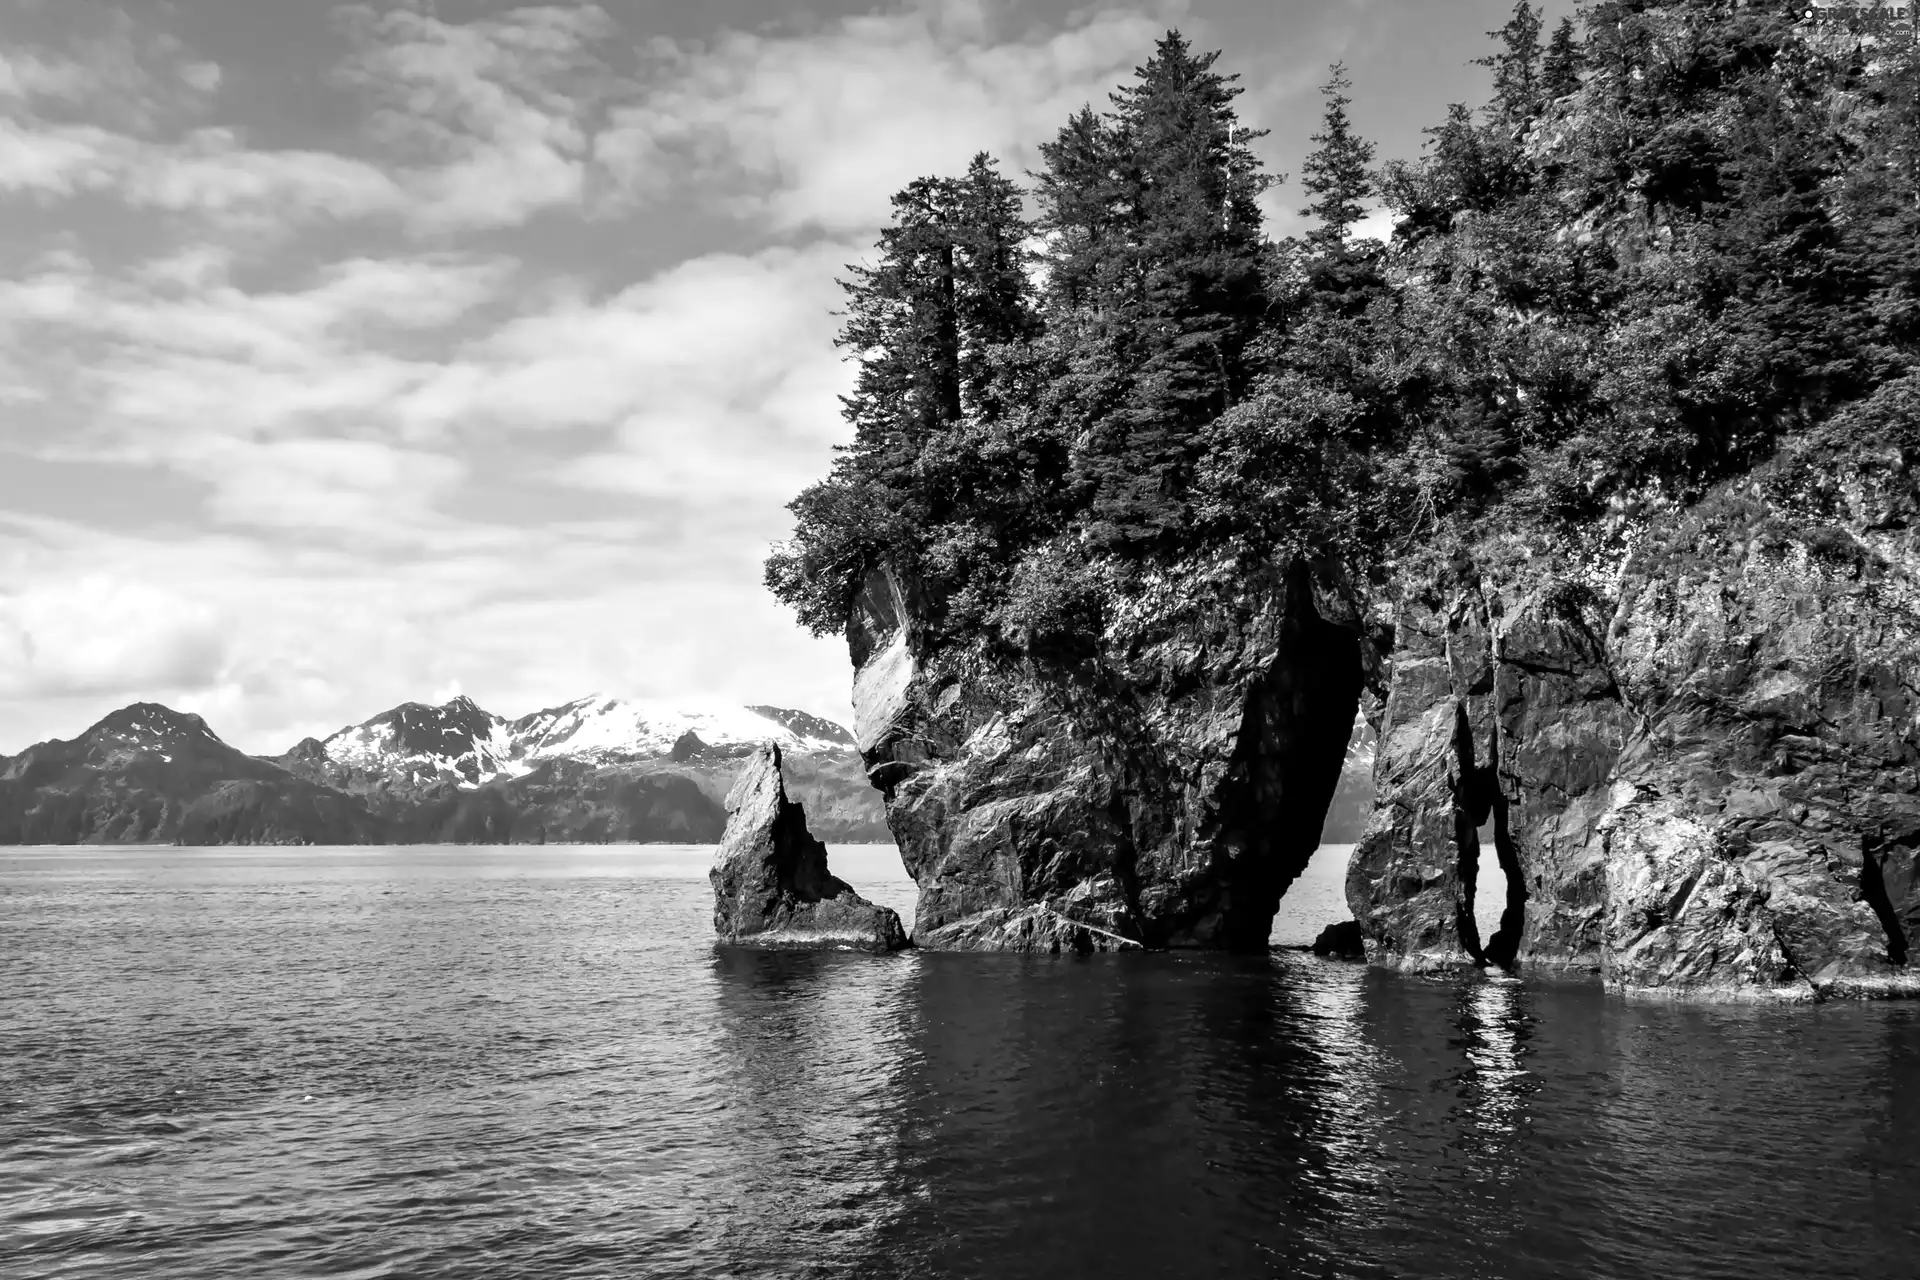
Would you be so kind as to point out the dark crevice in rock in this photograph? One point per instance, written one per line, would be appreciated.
(1286, 764)
(1478, 797)
(1873, 887)
(1467, 817)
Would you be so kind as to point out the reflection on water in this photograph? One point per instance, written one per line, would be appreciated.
(526, 1063)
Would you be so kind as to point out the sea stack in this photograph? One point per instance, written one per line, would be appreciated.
(771, 886)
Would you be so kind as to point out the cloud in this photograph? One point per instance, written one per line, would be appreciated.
(209, 171)
(102, 635)
(27, 74)
(474, 125)
(440, 425)
(495, 113)
(710, 371)
(285, 403)
(818, 129)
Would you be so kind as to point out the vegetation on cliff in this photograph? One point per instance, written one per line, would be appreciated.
(1678, 238)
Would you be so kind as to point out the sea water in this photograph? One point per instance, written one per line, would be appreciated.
(532, 1062)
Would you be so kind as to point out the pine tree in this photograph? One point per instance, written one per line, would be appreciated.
(1337, 175)
(949, 288)
(1158, 228)
(993, 304)
(1560, 70)
(1084, 194)
(1516, 68)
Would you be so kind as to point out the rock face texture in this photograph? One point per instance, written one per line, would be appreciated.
(1163, 797)
(771, 886)
(1706, 782)
(1503, 718)
(1695, 756)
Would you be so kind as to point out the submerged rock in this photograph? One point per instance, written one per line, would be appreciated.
(771, 886)
(1343, 941)
(1163, 796)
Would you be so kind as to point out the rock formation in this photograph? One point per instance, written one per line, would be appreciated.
(1165, 802)
(1700, 772)
(1704, 785)
(771, 886)
(1343, 941)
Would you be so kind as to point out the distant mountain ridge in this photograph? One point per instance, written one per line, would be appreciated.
(597, 769)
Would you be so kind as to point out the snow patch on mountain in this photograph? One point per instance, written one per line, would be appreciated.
(602, 728)
(455, 740)
(460, 742)
(148, 726)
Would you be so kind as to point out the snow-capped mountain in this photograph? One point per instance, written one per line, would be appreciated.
(148, 726)
(619, 729)
(600, 770)
(150, 774)
(458, 741)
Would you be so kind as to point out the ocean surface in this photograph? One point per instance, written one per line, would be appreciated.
(531, 1062)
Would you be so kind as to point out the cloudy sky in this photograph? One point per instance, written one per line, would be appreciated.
(352, 354)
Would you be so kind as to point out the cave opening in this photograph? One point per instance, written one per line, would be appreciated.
(1480, 816)
(1290, 755)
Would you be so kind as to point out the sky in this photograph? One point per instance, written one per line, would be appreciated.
(364, 353)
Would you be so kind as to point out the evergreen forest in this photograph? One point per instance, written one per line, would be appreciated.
(1679, 238)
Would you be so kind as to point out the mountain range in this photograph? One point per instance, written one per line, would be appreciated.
(594, 770)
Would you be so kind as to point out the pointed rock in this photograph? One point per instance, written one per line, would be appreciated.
(771, 887)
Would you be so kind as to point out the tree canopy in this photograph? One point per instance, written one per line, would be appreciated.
(1676, 237)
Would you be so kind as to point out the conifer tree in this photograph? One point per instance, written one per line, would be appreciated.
(992, 302)
(1560, 69)
(1084, 194)
(1516, 67)
(1337, 174)
(1158, 228)
(949, 287)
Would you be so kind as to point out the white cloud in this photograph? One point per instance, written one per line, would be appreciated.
(819, 129)
(103, 635)
(27, 74)
(285, 402)
(337, 405)
(497, 112)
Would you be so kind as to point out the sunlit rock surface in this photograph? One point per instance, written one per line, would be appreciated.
(771, 886)
(1164, 798)
(1703, 778)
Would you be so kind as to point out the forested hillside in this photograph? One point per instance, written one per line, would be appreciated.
(1678, 237)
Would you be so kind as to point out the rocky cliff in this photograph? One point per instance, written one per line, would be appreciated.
(1700, 776)
(1696, 757)
(1162, 794)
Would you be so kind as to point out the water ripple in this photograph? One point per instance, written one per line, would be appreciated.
(532, 1063)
